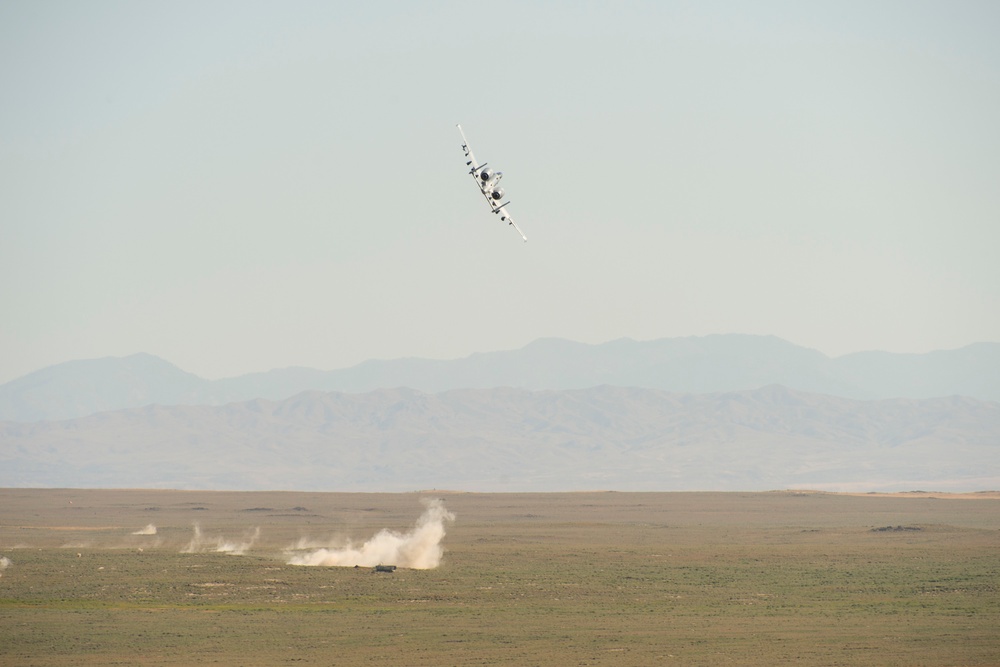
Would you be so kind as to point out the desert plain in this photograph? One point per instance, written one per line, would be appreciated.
(160, 577)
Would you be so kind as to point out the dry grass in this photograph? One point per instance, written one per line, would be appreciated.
(528, 579)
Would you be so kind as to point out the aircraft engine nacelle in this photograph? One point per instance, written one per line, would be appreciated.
(497, 194)
(486, 175)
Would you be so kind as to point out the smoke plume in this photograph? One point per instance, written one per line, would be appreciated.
(201, 543)
(150, 529)
(419, 549)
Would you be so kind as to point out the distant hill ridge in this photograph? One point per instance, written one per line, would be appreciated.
(715, 363)
(517, 440)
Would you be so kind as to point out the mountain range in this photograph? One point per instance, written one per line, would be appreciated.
(716, 363)
(507, 439)
(721, 412)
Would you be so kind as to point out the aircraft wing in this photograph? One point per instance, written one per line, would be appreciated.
(472, 164)
(506, 218)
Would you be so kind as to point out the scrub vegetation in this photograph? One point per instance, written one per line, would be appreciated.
(526, 579)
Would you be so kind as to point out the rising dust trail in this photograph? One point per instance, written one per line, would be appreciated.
(200, 543)
(4, 564)
(150, 529)
(419, 549)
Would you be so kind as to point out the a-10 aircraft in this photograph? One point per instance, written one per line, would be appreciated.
(489, 184)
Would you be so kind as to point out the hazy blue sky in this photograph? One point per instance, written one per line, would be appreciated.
(239, 186)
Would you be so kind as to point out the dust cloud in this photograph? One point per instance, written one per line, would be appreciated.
(419, 549)
(201, 543)
(4, 564)
(150, 529)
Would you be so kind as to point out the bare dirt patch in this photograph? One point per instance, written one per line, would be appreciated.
(974, 495)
